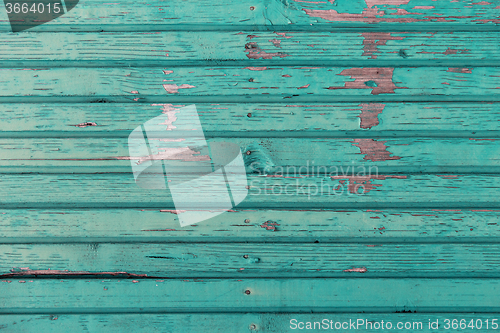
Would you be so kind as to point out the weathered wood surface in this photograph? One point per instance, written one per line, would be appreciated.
(354, 120)
(281, 156)
(248, 322)
(147, 15)
(248, 295)
(230, 84)
(140, 260)
(116, 190)
(381, 226)
(457, 49)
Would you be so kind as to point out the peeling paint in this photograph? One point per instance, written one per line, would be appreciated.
(174, 89)
(169, 153)
(459, 70)
(372, 40)
(269, 225)
(374, 150)
(377, 79)
(369, 114)
(256, 68)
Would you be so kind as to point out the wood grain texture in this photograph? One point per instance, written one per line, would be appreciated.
(382, 191)
(247, 48)
(248, 295)
(249, 322)
(228, 84)
(381, 226)
(250, 261)
(144, 15)
(358, 120)
(279, 156)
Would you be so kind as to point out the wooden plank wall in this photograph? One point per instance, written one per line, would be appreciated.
(407, 87)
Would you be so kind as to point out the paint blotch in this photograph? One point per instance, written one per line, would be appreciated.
(369, 114)
(304, 87)
(377, 79)
(85, 124)
(374, 150)
(255, 52)
(168, 72)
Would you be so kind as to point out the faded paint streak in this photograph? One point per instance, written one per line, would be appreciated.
(377, 79)
(459, 70)
(85, 124)
(369, 114)
(372, 40)
(174, 89)
(256, 68)
(255, 52)
(357, 270)
(174, 153)
(365, 182)
(374, 150)
(26, 271)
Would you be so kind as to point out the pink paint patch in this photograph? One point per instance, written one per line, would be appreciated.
(372, 40)
(459, 70)
(374, 150)
(377, 79)
(134, 92)
(424, 7)
(283, 34)
(256, 68)
(269, 225)
(168, 72)
(356, 270)
(371, 3)
(174, 89)
(369, 114)
(276, 42)
(304, 87)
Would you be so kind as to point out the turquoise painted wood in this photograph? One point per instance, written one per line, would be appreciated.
(230, 84)
(408, 88)
(154, 15)
(369, 226)
(249, 322)
(355, 120)
(249, 295)
(457, 49)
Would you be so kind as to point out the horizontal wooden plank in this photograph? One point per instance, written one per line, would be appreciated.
(197, 260)
(249, 322)
(249, 295)
(281, 156)
(246, 48)
(96, 15)
(275, 226)
(347, 192)
(230, 84)
(359, 120)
